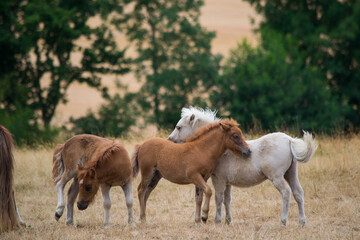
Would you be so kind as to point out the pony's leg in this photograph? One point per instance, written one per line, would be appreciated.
(22, 223)
(284, 190)
(199, 181)
(105, 190)
(129, 202)
(72, 194)
(227, 204)
(146, 186)
(198, 201)
(220, 187)
(291, 177)
(142, 192)
(60, 194)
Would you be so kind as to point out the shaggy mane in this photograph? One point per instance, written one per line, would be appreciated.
(103, 156)
(211, 126)
(205, 115)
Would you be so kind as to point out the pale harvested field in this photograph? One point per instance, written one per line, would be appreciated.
(331, 181)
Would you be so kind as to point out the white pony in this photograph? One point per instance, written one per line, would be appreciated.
(273, 156)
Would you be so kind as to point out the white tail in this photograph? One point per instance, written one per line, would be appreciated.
(303, 149)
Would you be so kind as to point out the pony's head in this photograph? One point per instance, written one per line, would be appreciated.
(88, 186)
(234, 138)
(192, 119)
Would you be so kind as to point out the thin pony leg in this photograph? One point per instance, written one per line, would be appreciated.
(72, 194)
(146, 186)
(22, 223)
(60, 194)
(198, 201)
(199, 182)
(105, 190)
(227, 203)
(129, 202)
(220, 187)
(284, 190)
(291, 177)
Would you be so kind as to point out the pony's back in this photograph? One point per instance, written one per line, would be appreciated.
(8, 218)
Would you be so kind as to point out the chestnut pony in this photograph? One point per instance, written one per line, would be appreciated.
(9, 215)
(93, 162)
(191, 162)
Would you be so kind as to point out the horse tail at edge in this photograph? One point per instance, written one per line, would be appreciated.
(8, 214)
(58, 163)
(135, 160)
(303, 149)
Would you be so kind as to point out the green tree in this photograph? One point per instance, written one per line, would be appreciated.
(270, 85)
(114, 118)
(328, 33)
(173, 55)
(41, 40)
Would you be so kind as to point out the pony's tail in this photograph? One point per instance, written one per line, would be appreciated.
(135, 160)
(58, 163)
(8, 216)
(303, 149)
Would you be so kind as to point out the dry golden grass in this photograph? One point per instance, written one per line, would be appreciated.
(331, 182)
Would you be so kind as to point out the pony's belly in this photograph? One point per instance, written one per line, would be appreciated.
(239, 172)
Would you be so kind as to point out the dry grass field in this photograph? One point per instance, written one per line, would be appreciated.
(331, 181)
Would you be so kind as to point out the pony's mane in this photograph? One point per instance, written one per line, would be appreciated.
(205, 115)
(99, 158)
(207, 128)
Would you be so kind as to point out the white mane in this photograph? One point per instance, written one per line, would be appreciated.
(205, 115)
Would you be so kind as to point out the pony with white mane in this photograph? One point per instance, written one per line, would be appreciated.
(274, 157)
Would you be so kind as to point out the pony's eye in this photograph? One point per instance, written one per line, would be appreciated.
(235, 136)
(178, 128)
(88, 188)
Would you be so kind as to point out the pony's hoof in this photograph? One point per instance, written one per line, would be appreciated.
(107, 226)
(283, 222)
(203, 219)
(70, 223)
(217, 221)
(57, 216)
(228, 221)
(302, 222)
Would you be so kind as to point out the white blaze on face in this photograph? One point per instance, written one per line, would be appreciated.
(81, 181)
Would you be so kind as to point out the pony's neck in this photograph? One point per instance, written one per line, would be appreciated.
(213, 143)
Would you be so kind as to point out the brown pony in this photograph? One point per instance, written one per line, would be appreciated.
(9, 215)
(92, 161)
(191, 162)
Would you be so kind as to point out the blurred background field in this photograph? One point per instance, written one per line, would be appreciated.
(330, 180)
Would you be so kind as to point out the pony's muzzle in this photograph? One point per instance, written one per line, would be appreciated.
(245, 151)
(82, 205)
(171, 139)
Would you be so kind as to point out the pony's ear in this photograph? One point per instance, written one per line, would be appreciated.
(79, 167)
(192, 117)
(224, 126)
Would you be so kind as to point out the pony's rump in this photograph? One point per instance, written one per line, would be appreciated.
(58, 163)
(8, 218)
(303, 149)
(135, 161)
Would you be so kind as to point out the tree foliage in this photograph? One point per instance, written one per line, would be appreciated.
(114, 118)
(270, 85)
(41, 40)
(328, 33)
(173, 55)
